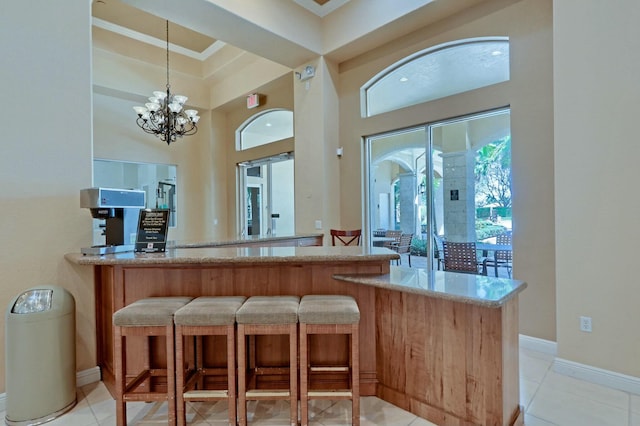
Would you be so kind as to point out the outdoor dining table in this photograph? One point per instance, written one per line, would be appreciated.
(486, 247)
(379, 241)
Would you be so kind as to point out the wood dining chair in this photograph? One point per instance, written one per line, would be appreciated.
(346, 237)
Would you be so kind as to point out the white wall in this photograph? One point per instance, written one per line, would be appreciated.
(46, 156)
(597, 93)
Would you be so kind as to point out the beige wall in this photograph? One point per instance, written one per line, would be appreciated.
(596, 93)
(528, 25)
(46, 156)
(318, 170)
(277, 94)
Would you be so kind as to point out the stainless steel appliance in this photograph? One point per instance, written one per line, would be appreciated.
(120, 209)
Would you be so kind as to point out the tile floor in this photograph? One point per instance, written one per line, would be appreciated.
(549, 398)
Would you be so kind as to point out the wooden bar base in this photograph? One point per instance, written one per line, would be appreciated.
(451, 360)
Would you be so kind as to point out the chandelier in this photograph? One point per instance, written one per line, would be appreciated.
(164, 115)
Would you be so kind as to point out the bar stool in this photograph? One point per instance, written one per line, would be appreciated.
(267, 315)
(150, 317)
(329, 314)
(205, 316)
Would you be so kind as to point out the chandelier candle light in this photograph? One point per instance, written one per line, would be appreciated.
(164, 115)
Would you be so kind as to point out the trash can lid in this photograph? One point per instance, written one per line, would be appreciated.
(33, 300)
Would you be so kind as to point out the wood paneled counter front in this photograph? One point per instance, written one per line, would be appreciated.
(441, 345)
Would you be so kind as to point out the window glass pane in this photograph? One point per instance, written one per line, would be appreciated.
(472, 187)
(158, 181)
(437, 73)
(265, 128)
(267, 196)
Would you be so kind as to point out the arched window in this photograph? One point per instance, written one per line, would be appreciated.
(437, 72)
(266, 127)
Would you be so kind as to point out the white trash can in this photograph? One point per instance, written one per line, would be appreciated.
(40, 355)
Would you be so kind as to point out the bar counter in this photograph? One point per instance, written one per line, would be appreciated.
(443, 346)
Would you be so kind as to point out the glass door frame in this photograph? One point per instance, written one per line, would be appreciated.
(265, 191)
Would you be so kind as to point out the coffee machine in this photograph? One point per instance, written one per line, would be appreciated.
(120, 209)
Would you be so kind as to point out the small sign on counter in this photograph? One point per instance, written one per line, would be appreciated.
(152, 230)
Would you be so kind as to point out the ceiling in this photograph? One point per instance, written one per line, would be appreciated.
(321, 7)
(287, 32)
(122, 18)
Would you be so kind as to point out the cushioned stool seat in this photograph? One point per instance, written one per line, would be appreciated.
(205, 316)
(267, 315)
(329, 314)
(151, 317)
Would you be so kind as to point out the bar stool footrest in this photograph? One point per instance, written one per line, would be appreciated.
(330, 394)
(205, 394)
(327, 369)
(256, 394)
(145, 397)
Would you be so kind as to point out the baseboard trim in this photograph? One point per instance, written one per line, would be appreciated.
(540, 345)
(83, 378)
(597, 375)
(584, 372)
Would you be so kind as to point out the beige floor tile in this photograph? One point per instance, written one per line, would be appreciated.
(528, 389)
(213, 413)
(80, 415)
(534, 365)
(268, 412)
(587, 390)
(568, 409)
(530, 420)
(378, 412)
(635, 403)
(549, 398)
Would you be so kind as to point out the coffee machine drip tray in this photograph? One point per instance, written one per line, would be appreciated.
(99, 250)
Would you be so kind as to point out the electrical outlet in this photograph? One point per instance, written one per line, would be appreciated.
(585, 324)
(318, 224)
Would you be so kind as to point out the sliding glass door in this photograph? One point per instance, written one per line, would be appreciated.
(450, 180)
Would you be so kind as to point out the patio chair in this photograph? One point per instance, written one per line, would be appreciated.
(502, 258)
(438, 252)
(402, 247)
(396, 238)
(462, 257)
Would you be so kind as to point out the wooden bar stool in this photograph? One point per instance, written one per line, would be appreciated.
(205, 316)
(150, 317)
(267, 315)
(329, 314)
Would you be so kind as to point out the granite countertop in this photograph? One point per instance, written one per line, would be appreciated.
(466, 288)
(219, 255)
(244, 240)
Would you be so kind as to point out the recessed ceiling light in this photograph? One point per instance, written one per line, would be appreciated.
(268, 124)
(496, 53)
(403, 79)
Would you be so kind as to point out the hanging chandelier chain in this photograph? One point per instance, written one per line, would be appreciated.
(168, 85)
